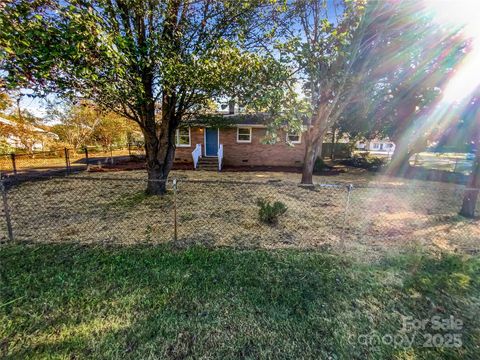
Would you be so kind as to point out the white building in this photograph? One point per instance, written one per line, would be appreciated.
(37, 140)
(379, 146)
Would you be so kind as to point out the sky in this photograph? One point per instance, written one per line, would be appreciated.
(34, 105)
(445, 11)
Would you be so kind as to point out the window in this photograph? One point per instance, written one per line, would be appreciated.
(182, 137)
(244, 135)
(294, 138)
(375, 146)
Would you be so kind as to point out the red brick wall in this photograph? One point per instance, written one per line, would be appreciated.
(184, 154)
(258, 154)
(247, 154)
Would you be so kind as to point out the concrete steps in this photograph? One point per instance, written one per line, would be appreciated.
(208, 164)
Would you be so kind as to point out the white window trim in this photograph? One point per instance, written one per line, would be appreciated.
(238, 133)
(299, 141)
(177, 138)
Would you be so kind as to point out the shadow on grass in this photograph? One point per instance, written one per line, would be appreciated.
(144, 301)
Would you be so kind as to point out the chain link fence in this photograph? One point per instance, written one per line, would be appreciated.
(15, 164)
(106, 209)
(461, 163)
(25, 165)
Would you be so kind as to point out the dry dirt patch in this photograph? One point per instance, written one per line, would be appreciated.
(219, 209)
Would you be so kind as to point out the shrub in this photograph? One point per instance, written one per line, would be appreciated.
(269, 213)
(366, 161)
(320, 166)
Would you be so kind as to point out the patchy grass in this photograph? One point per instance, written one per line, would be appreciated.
(221, 210)
(129, 201)
(72, 301)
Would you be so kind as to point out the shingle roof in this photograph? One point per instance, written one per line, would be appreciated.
(228, 120)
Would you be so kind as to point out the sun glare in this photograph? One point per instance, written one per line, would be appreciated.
(466, 78)
(461, 15)
(457, 13)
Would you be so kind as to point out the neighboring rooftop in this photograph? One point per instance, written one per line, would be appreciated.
(31, 127)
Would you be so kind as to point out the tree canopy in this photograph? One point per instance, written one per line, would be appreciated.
(327, 44)
(153, 62)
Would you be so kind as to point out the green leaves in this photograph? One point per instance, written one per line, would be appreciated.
(123, 58)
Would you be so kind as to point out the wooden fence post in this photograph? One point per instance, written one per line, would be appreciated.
(67, 161)
(14, 163)
(472, 190)
(86, 158)
(6, 210)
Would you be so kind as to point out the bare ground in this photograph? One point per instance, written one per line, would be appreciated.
(219, 209)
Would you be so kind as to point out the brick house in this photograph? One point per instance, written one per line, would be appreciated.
(237, 140)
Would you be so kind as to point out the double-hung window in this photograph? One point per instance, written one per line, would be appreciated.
(294, 138)
(182, 137)
(244, 134)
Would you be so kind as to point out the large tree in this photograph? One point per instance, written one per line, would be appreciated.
(84, 123)
(472, 121)
(153, 61)
(407, 100)
(416, 58)
(75, 123)
(371, 67)
(327, 43)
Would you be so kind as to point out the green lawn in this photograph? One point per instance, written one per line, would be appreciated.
(72, 301)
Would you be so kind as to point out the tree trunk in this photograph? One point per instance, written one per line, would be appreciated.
(159, 161)
(313, 149)
(471, 194)
(400, 162)
(160, 143)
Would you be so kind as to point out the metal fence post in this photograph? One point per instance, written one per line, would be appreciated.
(14, 163)
(345, 213)
(6, 210)
(175, 209)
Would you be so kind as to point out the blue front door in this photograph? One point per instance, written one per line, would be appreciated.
(211, 141)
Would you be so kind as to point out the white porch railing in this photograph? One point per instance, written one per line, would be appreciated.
(220, 157)
(196, 154)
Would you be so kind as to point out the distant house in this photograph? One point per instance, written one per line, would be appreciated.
(380, 146)
(237, 140)
(34, 136)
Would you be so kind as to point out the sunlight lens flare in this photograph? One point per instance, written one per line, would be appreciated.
(461, 15)
(458, 21)
(466, 78)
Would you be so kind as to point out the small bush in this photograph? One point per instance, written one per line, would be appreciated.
(320, 166)
(366, 161)
(269, 213)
